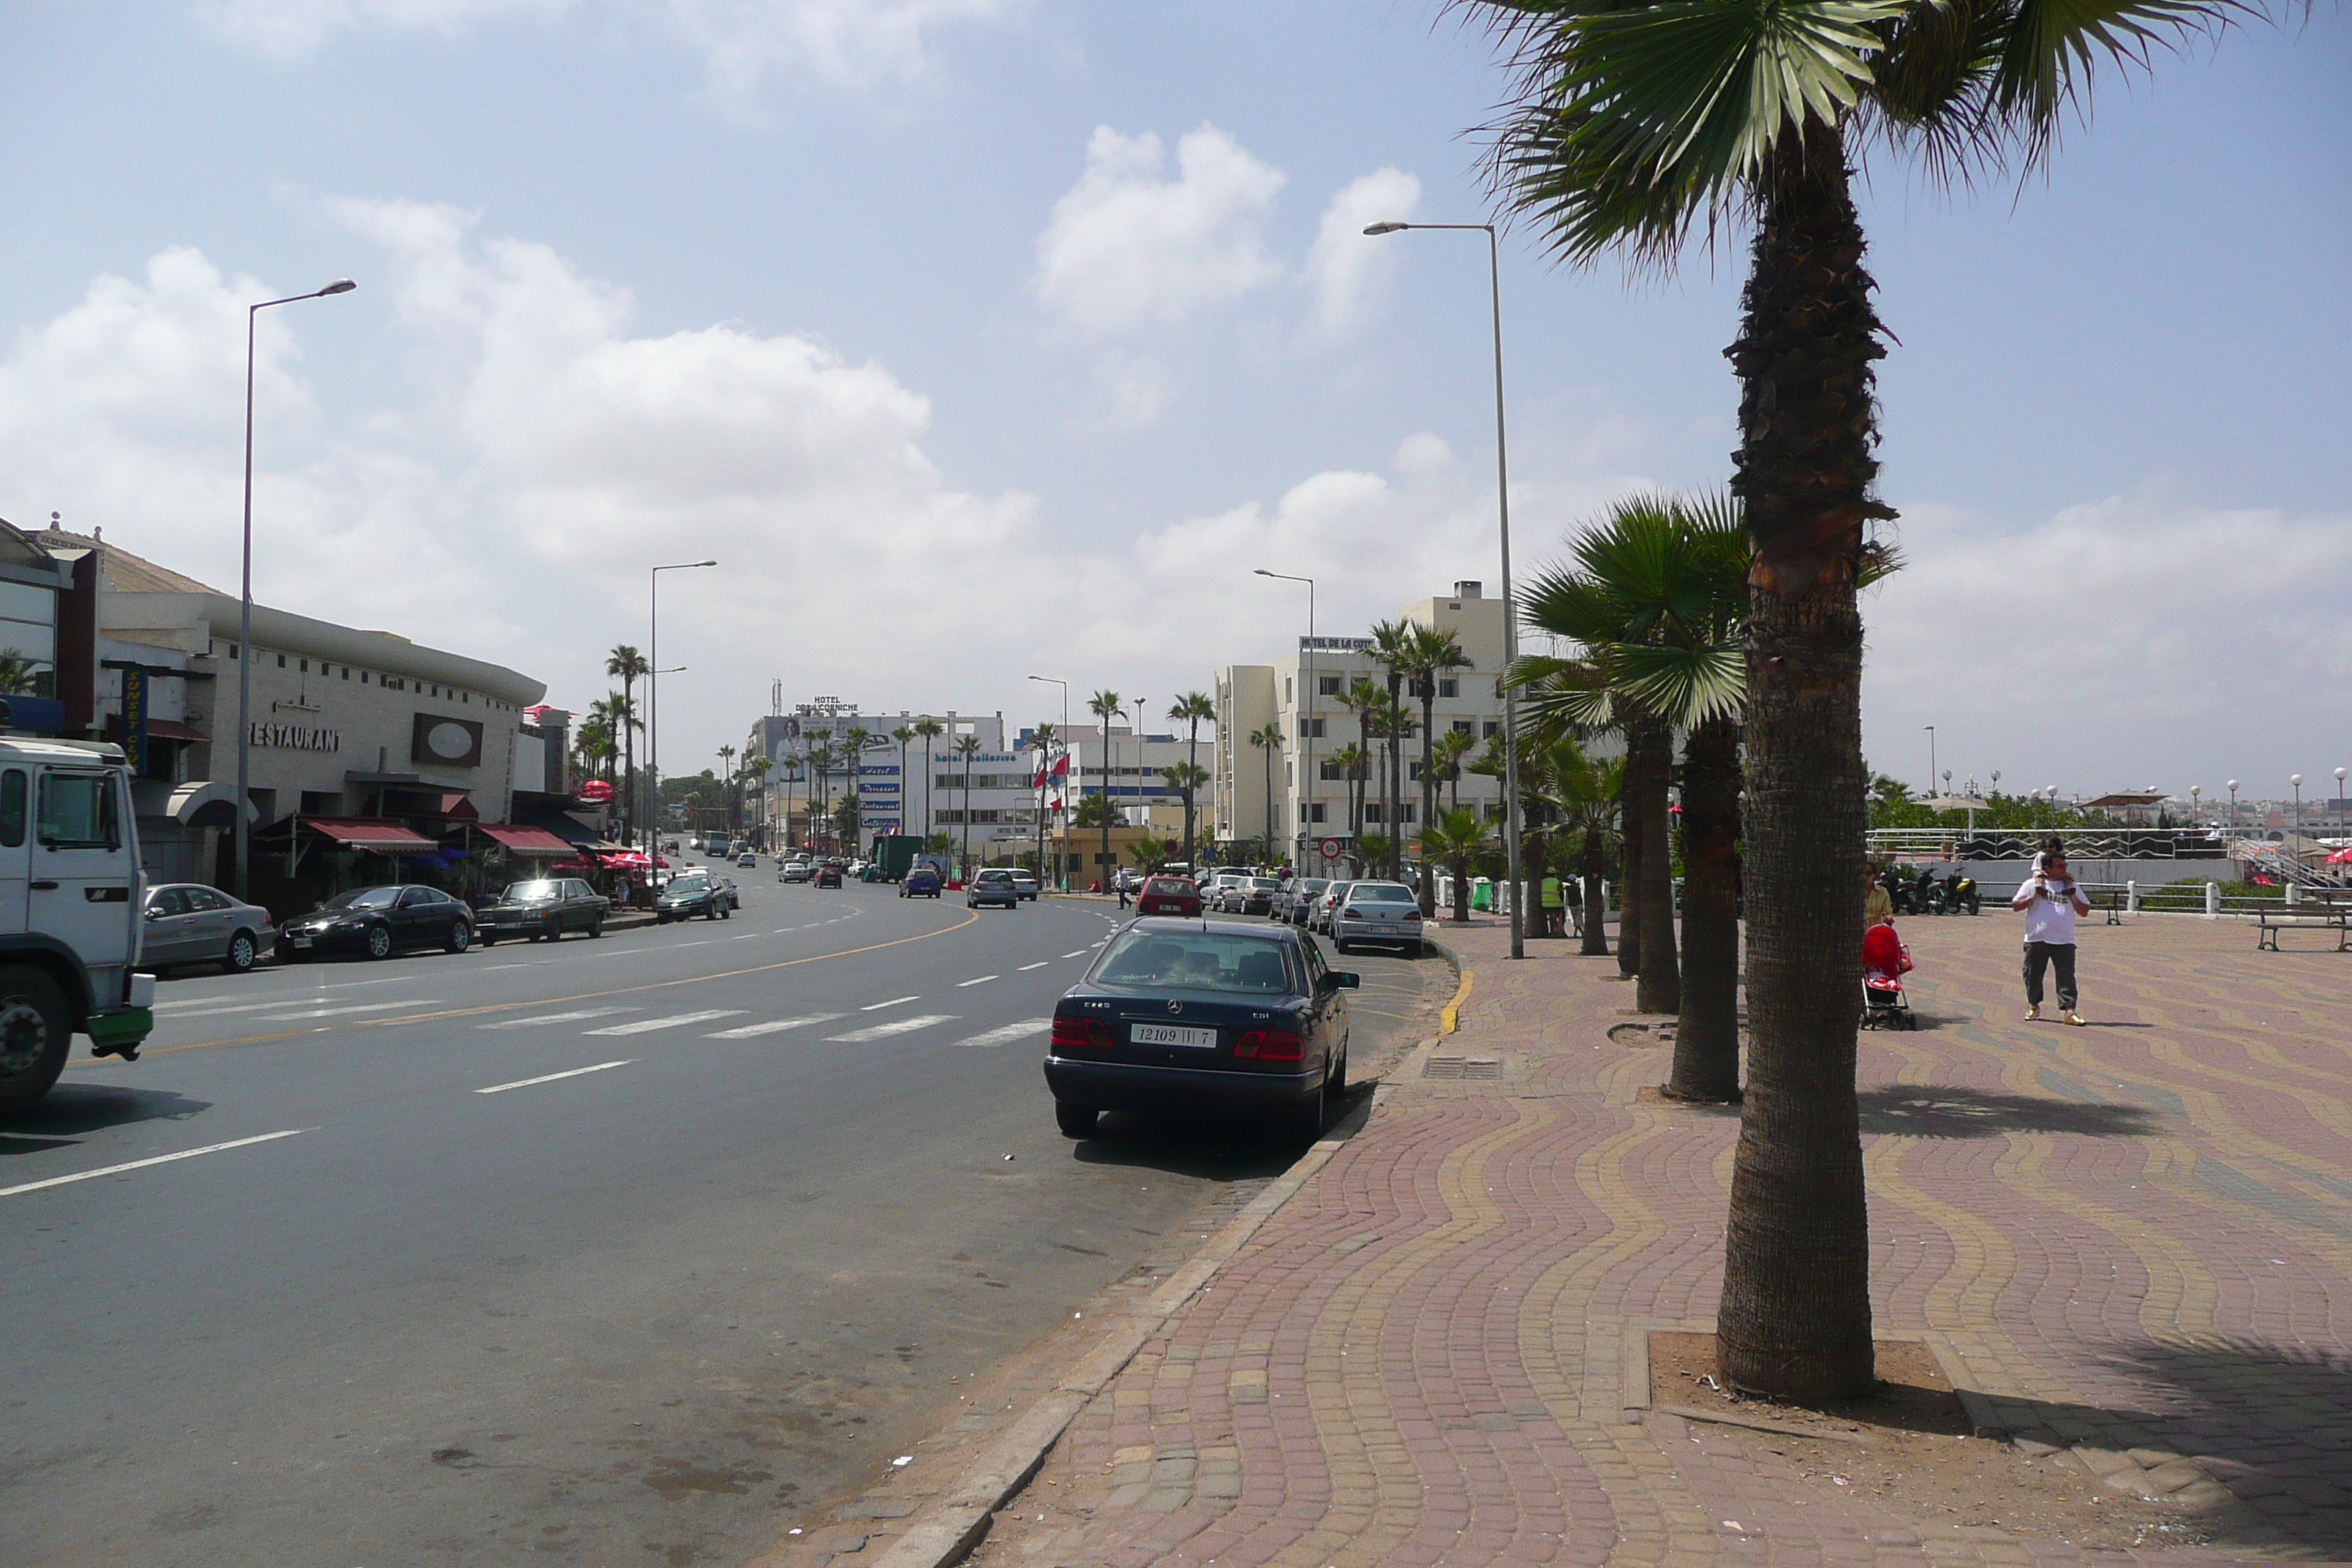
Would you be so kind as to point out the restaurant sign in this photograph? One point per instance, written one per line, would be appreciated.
(297, 737)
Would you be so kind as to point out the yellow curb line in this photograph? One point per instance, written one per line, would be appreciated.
(1449, 1018)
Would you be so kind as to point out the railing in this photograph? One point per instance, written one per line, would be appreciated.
(2082, 843)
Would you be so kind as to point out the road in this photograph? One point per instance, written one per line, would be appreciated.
(611, 1251)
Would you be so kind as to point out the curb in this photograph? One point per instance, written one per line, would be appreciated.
(950, 1528)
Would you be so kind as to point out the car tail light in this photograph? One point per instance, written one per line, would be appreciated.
(1074, 1033)
(1272, 1045)
(1351, 914)
(1413, 916)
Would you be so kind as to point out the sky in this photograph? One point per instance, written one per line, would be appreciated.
(979, 339)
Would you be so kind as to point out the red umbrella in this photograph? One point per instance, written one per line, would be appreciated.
(2341, 857)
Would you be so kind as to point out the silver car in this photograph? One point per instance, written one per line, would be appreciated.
(1297, 902)
(188, 922)
(1325, 907)
(1378, 911)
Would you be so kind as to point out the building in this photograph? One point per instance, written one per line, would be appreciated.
(794, 743)
(1132, 770)
(1263, 791)
(364, 748)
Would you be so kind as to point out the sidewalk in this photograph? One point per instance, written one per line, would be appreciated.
(2131, 1244)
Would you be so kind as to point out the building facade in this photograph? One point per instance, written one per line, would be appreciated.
(889, 801)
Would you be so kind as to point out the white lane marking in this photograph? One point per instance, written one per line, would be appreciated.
(1080, 954)
(774, 1025)
(703, 942)
(1011, 1032)
(1039, 964)
(982, 979)
(359, 1007)
(233, 1007)
(675, 1021)
(551, 1078)
(138, 1165)
(877, 1007)
(556, 1018)
(899, 1026)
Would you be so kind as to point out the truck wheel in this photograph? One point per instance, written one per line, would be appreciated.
(35, 1036)
(241, 954)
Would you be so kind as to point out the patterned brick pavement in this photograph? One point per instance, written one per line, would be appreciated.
(2133, 1240)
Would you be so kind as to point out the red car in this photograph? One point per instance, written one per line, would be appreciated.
(1168, 896)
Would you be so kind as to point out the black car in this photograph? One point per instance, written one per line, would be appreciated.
(378, 922)
(1201, 1015)
(543, 910)
(695, 893)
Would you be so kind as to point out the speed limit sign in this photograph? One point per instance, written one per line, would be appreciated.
(1330, 847)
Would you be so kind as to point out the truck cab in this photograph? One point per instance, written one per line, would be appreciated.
(71, 893)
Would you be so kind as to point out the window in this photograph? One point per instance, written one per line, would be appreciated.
(1332, 770)
(12, 809)
(1373, 810)
(1315, 813)
(204, 900)
(364, 678)
(1312, 729)
(1465, 727)
(167, 902)
(1449, 686)
(1412, 771)
(79, 812)
(1287, 698)
(1490, 729)
(305, 663)
(281, 661)
(1327, 685)
(347, 672)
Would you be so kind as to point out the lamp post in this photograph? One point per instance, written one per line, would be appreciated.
(2339, 802)
(1306, 723)
(2233, 802)
(1931, 757)
(2297, 780)
(1510, 605)
(245, 597)
(653, 688)
(2196, 805)
(1051, 680)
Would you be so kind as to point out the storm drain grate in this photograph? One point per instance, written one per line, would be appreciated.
(1465, 1068)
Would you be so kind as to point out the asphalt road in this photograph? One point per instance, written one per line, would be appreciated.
(614, 1251)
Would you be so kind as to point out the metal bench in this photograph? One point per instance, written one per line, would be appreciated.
(2329, 916)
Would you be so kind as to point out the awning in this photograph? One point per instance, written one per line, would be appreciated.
(363, 833)
(530, 841)
(205, 804)
(173, 730)
(454, 805)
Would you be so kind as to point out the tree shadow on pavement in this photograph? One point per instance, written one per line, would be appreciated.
(1946, 1112)
(72, 1110)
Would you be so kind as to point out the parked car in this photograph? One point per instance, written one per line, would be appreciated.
(1225, 1018)
(695, 893)
(829, 874)
(1325, 907)
(793, 872)
(379, 922)
(1298, 898)
(1379, 912)
(1024, 882)
(187, 922)
(543, 910)
(920, 883)
(1251, 896)
(1168, 896)
(993, 886)
(1212, 891)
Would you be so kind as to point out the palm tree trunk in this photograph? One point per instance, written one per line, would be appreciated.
(1658, 987)
(1629, 876)
(1596, 901)
(1706, 1038)
(1192, 761)
(1795, 1319)
(1462, 890)
(1428, 794)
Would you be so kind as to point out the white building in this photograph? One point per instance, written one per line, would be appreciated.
(889, 803)
(1262, 791)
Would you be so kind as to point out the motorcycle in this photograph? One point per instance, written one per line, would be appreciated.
(1961, 893)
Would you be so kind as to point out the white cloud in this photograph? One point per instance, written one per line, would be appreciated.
(742, 43)
(1129, 249)
(1349, 272)
(2140, 639)
(537, 453)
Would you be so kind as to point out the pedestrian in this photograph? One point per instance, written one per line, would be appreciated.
(1554, 904)
(2051, 899)
(1877, 903)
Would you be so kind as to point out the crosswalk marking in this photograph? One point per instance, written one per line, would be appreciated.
(774, 1025)
(675, 1021)
(1010, 1032)
(555, 1018)
(360, 1007)
(897, 1027)
(234, 1007)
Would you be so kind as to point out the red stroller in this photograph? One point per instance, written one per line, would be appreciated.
(1885, 960)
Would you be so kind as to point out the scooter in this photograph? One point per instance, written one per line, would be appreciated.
(1961, 893)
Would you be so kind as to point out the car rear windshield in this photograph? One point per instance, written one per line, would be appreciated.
(1268, 883)
(1169, 886)
(1190, 960)
(535, 892)
(1379, 893)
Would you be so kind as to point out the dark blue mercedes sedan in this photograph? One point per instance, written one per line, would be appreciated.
(1200, 1015)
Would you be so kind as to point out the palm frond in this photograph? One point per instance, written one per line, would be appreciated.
(1688, 685)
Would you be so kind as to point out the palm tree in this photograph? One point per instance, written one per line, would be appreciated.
(1430, 652)
(966, 746)
(1630, 128)
(734, 798)
(1267, 739)
(1391, 649)
(16, 671)
(1148, 852)
(1105, 706)
(1583, 792)
(929, 729)
(1349, 759)
(1453, 747)
(1043, 738)
(1185, 778)
(627, 666)
(903, 734)
(821, 760)
(854, 739)
(1454, 837)
(757, 770)
(1191, 708)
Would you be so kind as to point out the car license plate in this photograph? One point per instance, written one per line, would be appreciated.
(1173, 1035)
(301, 942)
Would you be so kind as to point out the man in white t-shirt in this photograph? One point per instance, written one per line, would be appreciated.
(2050, 898)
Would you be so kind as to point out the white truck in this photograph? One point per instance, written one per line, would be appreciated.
(71, 893)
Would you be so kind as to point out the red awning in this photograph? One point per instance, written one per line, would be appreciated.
(527, 840)
(456, 807)
(173, 730)
(366, 833)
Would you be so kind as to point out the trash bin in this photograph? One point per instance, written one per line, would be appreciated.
(1482, 893)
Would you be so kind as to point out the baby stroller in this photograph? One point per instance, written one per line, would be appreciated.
(1885, 960)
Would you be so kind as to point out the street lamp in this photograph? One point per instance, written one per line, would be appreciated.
(245, 607)
(2339, 801)
(1051, 680)
(653, 688)
(2196, 803)
(2296, 780)
(1931, 757)
(2233, 802)
(1306, 723)
(1510, 605)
